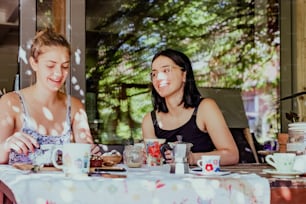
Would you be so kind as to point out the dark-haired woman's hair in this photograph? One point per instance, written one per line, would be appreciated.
(47, 37)
(191, 97)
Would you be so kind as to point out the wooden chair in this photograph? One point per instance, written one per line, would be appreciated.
(230, 102)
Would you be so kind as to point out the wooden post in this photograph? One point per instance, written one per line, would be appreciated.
(59, 16)
(282, 139)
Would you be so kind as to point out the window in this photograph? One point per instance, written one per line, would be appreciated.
(231, 43)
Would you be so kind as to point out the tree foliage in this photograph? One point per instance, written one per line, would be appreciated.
(229, 42)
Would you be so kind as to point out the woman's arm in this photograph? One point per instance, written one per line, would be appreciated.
(147, 127)
(210, 119)
(80, 127)
(10, 137)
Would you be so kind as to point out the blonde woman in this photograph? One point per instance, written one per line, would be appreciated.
(41, 113)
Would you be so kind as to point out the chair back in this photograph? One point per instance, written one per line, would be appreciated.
(230, 102)
(231, 105)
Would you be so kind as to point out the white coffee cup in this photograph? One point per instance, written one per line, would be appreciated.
(209, 163)
(75, 159)
(42, 155)
(282, 162)
(300, 163)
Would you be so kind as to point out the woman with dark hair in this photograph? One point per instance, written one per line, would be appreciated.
(180, 110)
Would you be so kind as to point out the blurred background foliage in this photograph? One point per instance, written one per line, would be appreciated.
(231, 43)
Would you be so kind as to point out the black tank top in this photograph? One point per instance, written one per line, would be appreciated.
(191, 133)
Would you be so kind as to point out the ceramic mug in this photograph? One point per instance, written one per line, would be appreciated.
(153, 152)
(75, 159)
(282, 162)
(300, 163)
(42, 155)
(209, 163)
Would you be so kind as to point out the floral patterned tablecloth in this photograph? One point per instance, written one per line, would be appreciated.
(156, 187)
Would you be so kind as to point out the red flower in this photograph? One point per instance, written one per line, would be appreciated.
(209, 167)
(159, 184)
(154, 150)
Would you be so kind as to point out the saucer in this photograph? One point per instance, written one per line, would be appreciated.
(265, 152)
(198, 172)
(276, 174)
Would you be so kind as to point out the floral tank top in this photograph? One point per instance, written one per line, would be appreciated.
(28, 128)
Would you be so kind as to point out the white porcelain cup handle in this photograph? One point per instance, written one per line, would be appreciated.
(269, 160)
(54, 157)
(199, 163)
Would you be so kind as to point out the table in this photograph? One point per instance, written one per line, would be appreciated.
(283, 191)
(145, 186)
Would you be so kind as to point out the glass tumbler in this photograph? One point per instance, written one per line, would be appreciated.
(133, 156)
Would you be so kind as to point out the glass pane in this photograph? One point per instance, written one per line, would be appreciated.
(51, 13)
(9, 38)
(231, 44)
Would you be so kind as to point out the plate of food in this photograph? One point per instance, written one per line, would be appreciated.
(106, 159)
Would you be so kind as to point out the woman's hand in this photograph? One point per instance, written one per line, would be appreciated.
(169, 156)
(191, 159)
(21, 143)
(96, 150)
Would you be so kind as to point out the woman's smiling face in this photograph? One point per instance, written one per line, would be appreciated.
(167, 77)
(52, 66)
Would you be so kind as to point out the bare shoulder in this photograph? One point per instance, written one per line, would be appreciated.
(75, 102)
(11, 108)
(208, 108)
(76, 105)
(9, 99)
(147, 118)
(147, 123)
(207, 104)
(147, 126)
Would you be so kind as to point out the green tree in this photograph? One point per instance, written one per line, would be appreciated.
(229, 41)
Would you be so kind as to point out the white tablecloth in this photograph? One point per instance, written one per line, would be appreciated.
(141, 186)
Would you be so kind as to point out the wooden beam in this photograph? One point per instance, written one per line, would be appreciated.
(59, 16)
